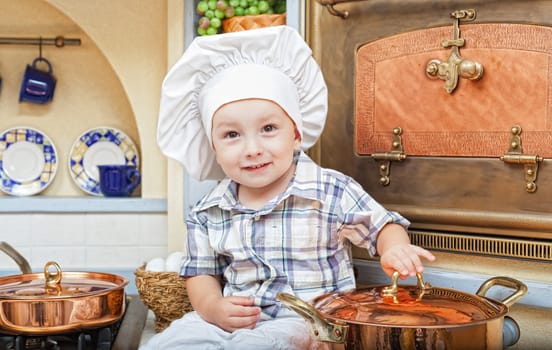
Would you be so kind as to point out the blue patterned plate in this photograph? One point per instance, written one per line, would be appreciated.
(28, 161)
(98, 146)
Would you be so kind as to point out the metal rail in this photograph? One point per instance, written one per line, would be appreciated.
(58, 41)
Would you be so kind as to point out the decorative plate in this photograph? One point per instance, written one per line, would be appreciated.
(28, 161)
(99, 146)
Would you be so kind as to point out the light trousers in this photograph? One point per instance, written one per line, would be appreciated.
(286, 332)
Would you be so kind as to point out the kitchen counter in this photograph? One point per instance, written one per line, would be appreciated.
(149, 328)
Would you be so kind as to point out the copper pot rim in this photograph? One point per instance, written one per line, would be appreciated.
(389, 306)
(103, 282)
(498, 309)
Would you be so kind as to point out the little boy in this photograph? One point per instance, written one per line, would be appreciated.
(242, 108)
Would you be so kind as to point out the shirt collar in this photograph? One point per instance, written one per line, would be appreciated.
(306, 183)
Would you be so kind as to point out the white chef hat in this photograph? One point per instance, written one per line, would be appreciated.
(272, 63)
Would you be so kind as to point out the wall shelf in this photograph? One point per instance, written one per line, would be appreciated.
(42, 204)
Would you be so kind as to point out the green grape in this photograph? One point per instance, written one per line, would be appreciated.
(211, 31)
(212, 4)
(239, 11)
(212, 12)
(219, 14)
(209, 13)
(263, 6)
(202, 7)
(201, 31)
(216, 22)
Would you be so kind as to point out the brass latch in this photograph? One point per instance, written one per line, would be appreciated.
(515, 156)
(396, 154)
(455, 66)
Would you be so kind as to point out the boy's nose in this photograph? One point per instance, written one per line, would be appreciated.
(253, 148)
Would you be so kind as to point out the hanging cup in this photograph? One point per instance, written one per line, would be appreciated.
(38, 85)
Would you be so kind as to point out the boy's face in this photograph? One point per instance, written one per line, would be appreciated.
(254, 141)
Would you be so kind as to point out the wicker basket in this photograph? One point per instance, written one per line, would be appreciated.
(164, 293)
(239, 23)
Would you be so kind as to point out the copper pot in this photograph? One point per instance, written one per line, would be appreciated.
(56, 302)
(409, 317)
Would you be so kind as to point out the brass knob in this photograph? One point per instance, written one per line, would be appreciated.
(470, 70)
(432, 69)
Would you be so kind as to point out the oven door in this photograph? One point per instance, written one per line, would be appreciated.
(471, 159)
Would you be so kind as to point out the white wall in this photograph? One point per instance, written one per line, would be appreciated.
(84, 240)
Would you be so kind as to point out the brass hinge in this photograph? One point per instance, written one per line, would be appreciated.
(385, 158)
(530, 162)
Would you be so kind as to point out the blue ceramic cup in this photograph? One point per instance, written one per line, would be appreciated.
(38, 85)
(118, 180)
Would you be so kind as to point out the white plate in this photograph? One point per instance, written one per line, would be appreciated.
(98, 146)
(28, 161)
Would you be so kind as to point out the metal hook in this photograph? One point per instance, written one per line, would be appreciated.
(332, 10)
(40, 47)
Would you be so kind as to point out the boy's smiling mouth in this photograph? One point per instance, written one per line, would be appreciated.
(256, 167)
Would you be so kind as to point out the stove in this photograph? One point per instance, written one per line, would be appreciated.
(97, 339)
(480, 215)
(122, 335)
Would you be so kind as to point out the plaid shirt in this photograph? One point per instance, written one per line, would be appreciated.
(298, 243)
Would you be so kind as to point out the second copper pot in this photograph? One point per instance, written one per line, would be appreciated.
(411, 317)
(54, 302)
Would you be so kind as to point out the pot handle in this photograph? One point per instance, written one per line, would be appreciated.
(16, 256)
(519, 287)
(323, 329)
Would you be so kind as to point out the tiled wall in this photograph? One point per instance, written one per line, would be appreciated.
(103, 242)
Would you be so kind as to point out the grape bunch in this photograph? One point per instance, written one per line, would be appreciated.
(212, 12)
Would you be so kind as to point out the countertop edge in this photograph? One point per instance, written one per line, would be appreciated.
(40, 204)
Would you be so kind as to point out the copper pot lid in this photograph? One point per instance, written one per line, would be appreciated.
(55, 284)
(418, 305)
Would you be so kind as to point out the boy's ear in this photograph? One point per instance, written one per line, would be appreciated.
(297, 139)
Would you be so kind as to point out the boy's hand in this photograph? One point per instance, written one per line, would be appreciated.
(397, 254)
(404, 258)
(229, 313)
(232, 313)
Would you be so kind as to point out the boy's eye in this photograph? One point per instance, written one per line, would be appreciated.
(231, 135)
(268, 128)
